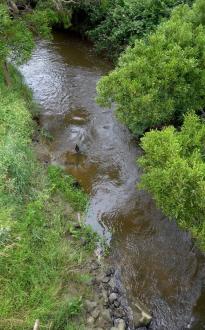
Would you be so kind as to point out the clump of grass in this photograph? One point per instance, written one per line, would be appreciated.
(85, 234)
(67, 311)
(66, 185)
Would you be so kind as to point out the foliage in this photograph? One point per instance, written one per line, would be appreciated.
(58, 12)
(174, 166)
(18, 30)
(117, 23)
(160, 79)
(16, 40)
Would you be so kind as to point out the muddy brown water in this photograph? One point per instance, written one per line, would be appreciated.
(158, 262)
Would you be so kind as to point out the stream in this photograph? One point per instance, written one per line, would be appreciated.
(159, 263)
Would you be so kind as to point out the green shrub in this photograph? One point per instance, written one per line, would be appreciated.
(160, 79)
(174, 172)
(123, 21)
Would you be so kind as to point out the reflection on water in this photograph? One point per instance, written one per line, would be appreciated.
(158, 262)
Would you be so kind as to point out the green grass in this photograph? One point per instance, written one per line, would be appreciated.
(42, 262)
(66, 185)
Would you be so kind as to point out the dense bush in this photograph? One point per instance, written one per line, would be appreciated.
(174, 172)
(117, 23)
(160, 79)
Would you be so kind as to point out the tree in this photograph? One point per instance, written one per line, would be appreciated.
(163, 77)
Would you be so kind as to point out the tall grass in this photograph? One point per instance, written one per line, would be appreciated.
(38, 264)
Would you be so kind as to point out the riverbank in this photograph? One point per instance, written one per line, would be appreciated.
(45, 251)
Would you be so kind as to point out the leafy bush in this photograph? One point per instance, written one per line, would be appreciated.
(160, 79)
(118, 23)
(174, 172)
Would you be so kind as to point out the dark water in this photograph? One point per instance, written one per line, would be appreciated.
(158, 262)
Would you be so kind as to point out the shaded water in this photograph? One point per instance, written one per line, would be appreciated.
(158, 262)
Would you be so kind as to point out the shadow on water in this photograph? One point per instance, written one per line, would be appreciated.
(158, 262)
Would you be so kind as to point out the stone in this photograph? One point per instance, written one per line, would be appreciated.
(112, 283)
(110, 271)
(118, 321)
(121, 325)
(90, 305)
(104, 294)
(105, 279)
(113, 328)
(116, 303)
(95, 266)
(112, 297)
(106, 315)
(90, 320)
(118, 313)
(95, 313)
(102, 323)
